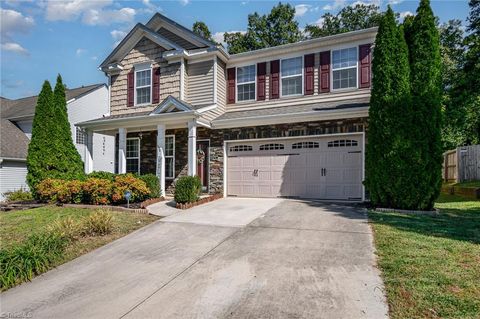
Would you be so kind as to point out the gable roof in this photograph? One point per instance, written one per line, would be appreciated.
(13, 142)
(25, 107)
(172, 104)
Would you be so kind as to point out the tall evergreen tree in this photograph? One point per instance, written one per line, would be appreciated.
(40, 157)
(386, 163)
(425, 121)
(69, 163)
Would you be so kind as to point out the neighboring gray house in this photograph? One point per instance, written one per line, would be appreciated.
(282, 121)
(16, 118)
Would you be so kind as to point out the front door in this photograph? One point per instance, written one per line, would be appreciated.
(202, 163)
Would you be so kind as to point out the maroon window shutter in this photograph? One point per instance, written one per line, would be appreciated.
(309, 71)
(365, 61)
(324, 82)
(130, 87)
(156, 86)
(231, 85)
(261, 74)
(275, 79)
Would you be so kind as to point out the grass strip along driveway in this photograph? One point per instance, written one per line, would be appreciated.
(26, 239)
(431, 264)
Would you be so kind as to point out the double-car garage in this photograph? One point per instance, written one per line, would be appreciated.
(317, 167)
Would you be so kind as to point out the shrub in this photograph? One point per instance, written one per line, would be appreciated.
(33, 257)
(61, 191)
(48, 188)
(18, 195)
(66, 228)
(122, 183)
(97, 191)
(187, 189)
(102, 175)
(153, 184)
(99, 222)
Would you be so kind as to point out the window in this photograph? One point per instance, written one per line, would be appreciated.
(170, 156)
(292, 76)
(273, 146)
(344, 68)
(241, 148)
(342, 143)
(80, 136)
(300, 145)
(246, 83)
(133, 155)
(143, 84)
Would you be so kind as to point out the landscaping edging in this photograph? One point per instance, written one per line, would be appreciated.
(108, 207)
(151, 201)
(199, 202)
(434, 212)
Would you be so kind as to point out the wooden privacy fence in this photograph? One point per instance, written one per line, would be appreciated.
(462, 164)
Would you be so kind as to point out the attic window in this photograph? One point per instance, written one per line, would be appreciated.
(342, 143)
(272, 146)
(241, 148)
(143, 84)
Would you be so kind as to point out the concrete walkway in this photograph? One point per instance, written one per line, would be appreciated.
(296, 260)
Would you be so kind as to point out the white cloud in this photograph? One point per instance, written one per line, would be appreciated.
(394, 2)
(94, 58)
(80, 52)
(96, 12)
(335, 5)
(117, 36)
(405, 14)
(15, 48)
(14, 22)
(218, 36)
(150, 7)
(301, 9)
(184, 2)
(320, 22)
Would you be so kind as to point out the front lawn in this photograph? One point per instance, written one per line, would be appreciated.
(431, 264)
(17, 226)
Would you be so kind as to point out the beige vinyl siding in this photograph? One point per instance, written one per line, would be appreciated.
(200, 83)
(144, 51)
(221, 93)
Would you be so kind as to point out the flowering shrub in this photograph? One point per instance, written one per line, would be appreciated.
(48, 189)
(137, 187)
(97, 191)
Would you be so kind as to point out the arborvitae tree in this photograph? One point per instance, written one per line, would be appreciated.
(425, 120)
(40, 151)
(387, 172)
(69, 163)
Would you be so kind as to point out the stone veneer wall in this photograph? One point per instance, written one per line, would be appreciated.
(217, 137)
(144, 51)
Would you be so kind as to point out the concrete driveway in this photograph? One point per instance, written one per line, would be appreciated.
(294, 260)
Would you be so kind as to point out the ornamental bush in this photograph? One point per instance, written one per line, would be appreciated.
(102, 175)
(97, 191)
(153, 184)
(187, 189)
(136, 186)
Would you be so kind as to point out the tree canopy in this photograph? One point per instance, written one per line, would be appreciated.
(275, 28)
(202, 30)
(349, 18)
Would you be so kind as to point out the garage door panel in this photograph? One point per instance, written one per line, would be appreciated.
(298, 171)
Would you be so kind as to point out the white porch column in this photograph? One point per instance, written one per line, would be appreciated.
(88, 160)
(122, 150)
(161, 157)
(192, 147)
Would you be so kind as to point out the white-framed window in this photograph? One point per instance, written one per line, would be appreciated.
(271, 146)
(143, 84)
(80, 136)
(291, 71)
(170, 156)
(344, 68)
(241, 148)
(246, 83)
(133, 155)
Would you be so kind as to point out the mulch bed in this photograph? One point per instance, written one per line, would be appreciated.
(20, 205)
(199, 202)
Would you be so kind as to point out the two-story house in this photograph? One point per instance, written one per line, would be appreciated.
(282, 121)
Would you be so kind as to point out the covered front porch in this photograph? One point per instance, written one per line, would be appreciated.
(164, 142)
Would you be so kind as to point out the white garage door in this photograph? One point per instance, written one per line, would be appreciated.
(314, 167)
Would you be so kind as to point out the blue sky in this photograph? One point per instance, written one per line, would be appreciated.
(40, 38)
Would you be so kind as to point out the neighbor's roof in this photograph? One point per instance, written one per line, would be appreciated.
(25, 107)
(13, 142)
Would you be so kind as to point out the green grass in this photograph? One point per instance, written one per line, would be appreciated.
(468, 184)
(17, 226)
(431, 264)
